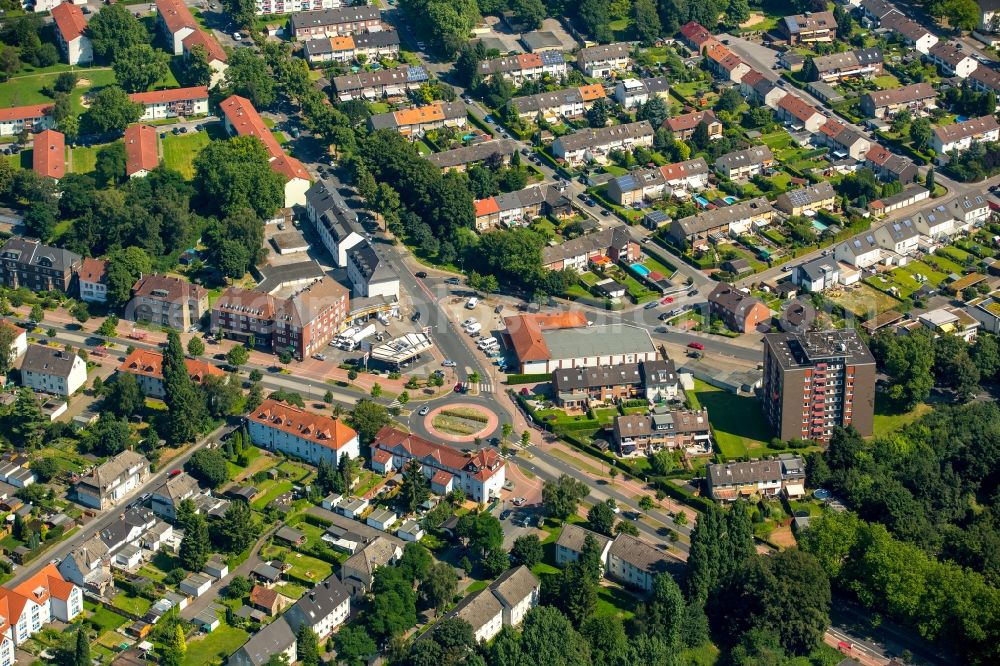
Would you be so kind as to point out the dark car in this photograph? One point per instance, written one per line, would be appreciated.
(693, 292)
(453, 280)
(416, 316)
(505, 514)
(665, 316)
(420, 274)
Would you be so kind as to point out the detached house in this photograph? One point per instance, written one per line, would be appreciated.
(88, 566)
(740, 311)
(168, 301)
(684, 125)
(112, 481)
(889, 166)
(277, 426)
(51, 370)
(358, 571)
(147, 368)
(71, 28)
(276, 638)
(323, 608)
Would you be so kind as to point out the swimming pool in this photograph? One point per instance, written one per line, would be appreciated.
(730, 200)
(702, 201)
(640, 269)
(818, 226)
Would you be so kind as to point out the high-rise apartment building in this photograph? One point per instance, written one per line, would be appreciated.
(814, 382)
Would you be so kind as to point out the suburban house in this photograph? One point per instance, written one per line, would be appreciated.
(889, 166)
(744, 164)
(416, 121)
(757, 478)
(370, 274)
(267, 7)
(658, 182)
(843, 141)
(48, 155)
(504, 602)
(960, 136)
(571, 540)
(808, 28)
(821, 273)
(242, 119)
(141, 151)
(631, 93)
(576, 388)
(276, 638)
(683, 429)
(969, 209)
(524, 67)
(492, 153)
(568, 103)
(168, 301)
(729, 220)
(266, 600)
(392, 82)
(615, 243)
(510, 209)
(985, 79)
(726, 64)
(600, 62)
(336, 22)
(323, 608)
(739, 310)
(277, 426)
(172, 103)
(88, 566)
(684, 125)
(71, 29)
(758, 88)
(335, 221)
(53, 370)
(808, 199)
(34, 603)
(147, 368)
(481, 474)
(635, 563)
(595, 144)
(19, 345)
(33, 117)
(899, 237)
(112, 481)
(936, 222)
(358, 571)
(915, 97)
(952, 60)
(795, 111)
(348, 48)
(910, 32)
(861, 251)
(986, 311)
(167, 497)
(874, 12)
(865, 63)
(947, 321)
(696, 36)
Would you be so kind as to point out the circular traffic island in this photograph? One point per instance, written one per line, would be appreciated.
(461, 422)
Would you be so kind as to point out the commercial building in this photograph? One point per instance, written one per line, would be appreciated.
(167, 301)
(71, 29)
(729, 482)
(915, 97)
(370, 273)
(141, 151)
(544, 343)
(678, 429)
(595, 144)
(481, 474)
(729, 220)
(48, 155)
(601, 61)
(524, 67)
(172, 103)
(147, 368)
(336, 22)
(242, 119)
(277, 426)
(808, 28)
(817, 381)
(738, 310)
(51, 370)
(960, 136)
(392, 82)
(576, 388)
(112, 481)
(808, 199)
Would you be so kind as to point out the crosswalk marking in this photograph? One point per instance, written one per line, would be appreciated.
(485, 387)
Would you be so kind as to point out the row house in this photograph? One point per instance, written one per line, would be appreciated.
(843, 140)
(960, 136)
(71, 34)
(626, 559)
(524, 67)
(600, 62)
(615, 243)
(865, 63)
(684, 125)
(656, 183)
(798, 113)
(909, 32)
(576, 388)
(900, 237)
(678, 429)
(172, 103)
(503, 603)
(696, 37)
(30, 118)
(873, 12)
(727, 64)
(569, 103)
(277, 426)
(112, 481)
(985, 79)
(269, 7)
(414, 122)
(510, 209)
(141, 153)
(859, 252)
(215, 56)
(336, 22)
(952, 60)
(759, 89)
(493, 154)
(348, 48)
(727, 482)
(334, 221)
(889, 166)
(726, 221)
(808, 28)
(745, 164)
(55, 371)
(146, 366)
(969, 210)
(594, 144)
(48, 155)
(242, 119)
(382, 83)
(481, 474)
(632, 93)
(27, 263)
(915, 98)
(807, 200)
(738, 310)
(168, 301)
(31, 605)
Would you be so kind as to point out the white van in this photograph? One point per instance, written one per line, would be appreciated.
(486, 343)
(473, 329)
(473, 302)
(469, 322)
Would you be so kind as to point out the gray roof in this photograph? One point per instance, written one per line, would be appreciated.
(272, 639)
(375, 40)
(609, 237)
(540, 39)
(724, 216)
(370, 264)
(571, 379)
(112, 470)
(597, 341)
(658, 372)
(603, 52)
(47, 360)
(640, 554)
(266, 571)
(807, 195)
(545, 100)
(325, 17)
(738, 158)
(794, 350)
(817, 268)
(530, 196)
(910, 192)
(178, 487)
(288, 534)
(477, 152)
(478, 609)
(573, 536)
(755, 471)
(387, 120)
(33, 253)
(317, 603)
(901, 230)
(363, 80)
(590, 138)
(903, 95)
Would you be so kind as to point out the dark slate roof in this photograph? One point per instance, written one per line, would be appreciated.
(317, 603)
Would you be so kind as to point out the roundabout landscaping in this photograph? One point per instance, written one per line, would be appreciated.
(460, 422)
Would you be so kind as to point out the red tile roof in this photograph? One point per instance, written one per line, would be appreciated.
(212, 47)
(150, 364)
(49, 154)
(245, 120)
(324, 430)
(486, 206)
(47, 582)
(752, 78)
(93, 270)
(487, 462)
(529, 60)
(25, 112)
(878, 155)
(140, 149)
(689, 121)
(696, 34)
(175, 15)
(170, 95)
(796, 106)
(69, 19)
(525, 332)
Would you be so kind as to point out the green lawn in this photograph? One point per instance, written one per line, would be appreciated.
(134, 605)
(179, 151)
(216, 647)
(85, 158)
(107, 620)
(272, 492)
(27, 88)
(613, 600)
(887, 420)
(737, 421)
(777, 140)
(308, 568)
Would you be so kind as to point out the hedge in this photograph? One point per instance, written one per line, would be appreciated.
(697, 503)
(528, 379)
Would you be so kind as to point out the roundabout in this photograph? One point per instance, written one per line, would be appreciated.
(460, 422)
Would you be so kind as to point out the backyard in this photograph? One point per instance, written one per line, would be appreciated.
(179, 151)
(737, 421)
(214, 648)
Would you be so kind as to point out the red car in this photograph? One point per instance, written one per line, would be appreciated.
(668, 299)
(459, 387)
(175, 472)
(696, 345)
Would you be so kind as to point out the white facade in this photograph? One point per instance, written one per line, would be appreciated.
(78, 51)
(11, 123)
(275, 439)
(964, 143)
(266, 7)
(46, 382)
(169, 109)
(630, 93)
(19, 345)
(93, 292)
(550, 365)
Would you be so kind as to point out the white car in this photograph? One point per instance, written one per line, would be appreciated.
(237, 36)
(449, 364)
(423, 410)
(469, 322)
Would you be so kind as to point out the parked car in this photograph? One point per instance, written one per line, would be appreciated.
(651, 305)
(696, 345)
(448, 363)
(693, 292)
(319, 357)
(416, 316)
(453, 280)
(665, 316)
